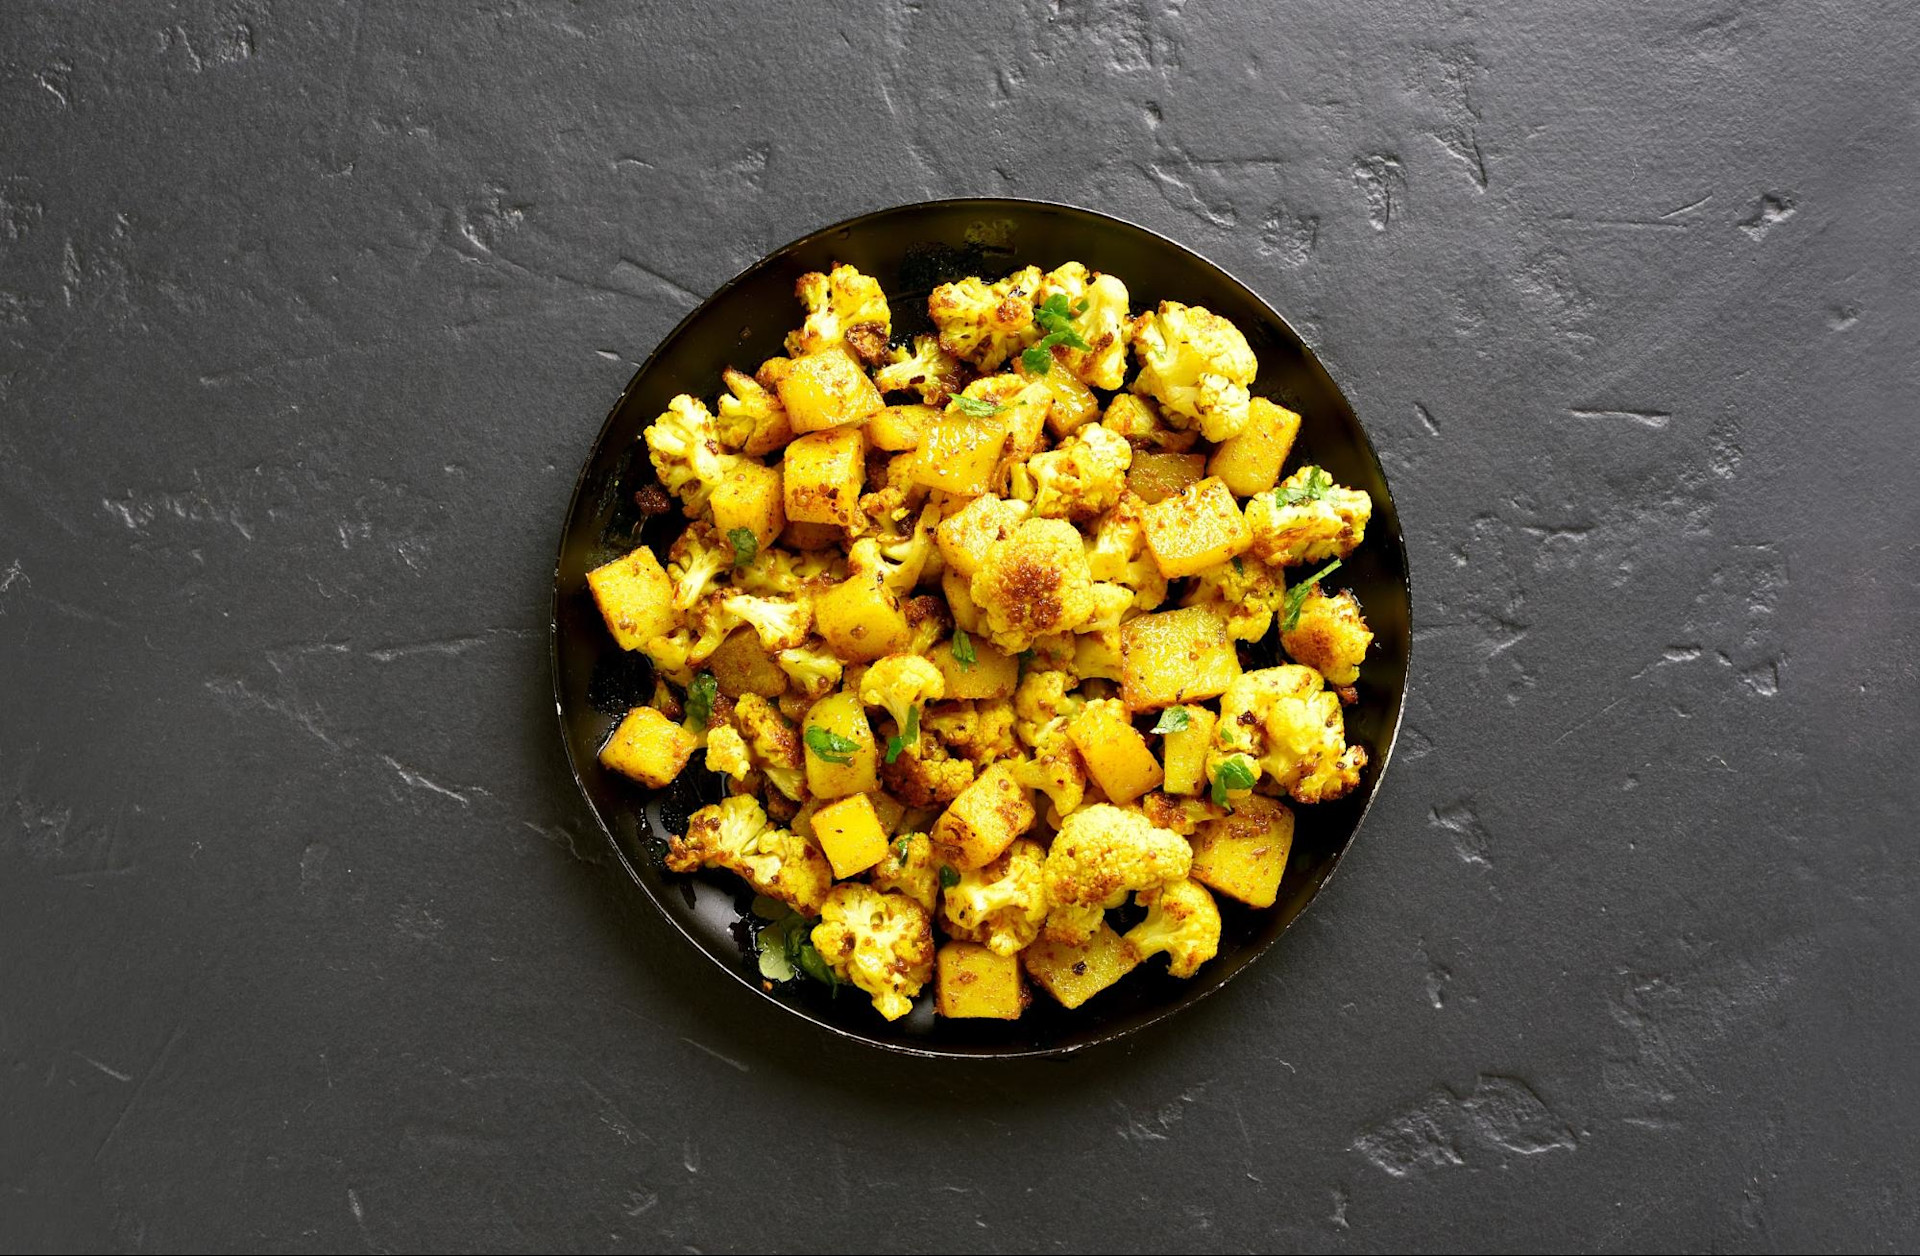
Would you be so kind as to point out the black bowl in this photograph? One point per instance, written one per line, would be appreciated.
(910, 249)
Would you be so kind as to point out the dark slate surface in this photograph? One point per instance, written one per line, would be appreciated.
(308, 314)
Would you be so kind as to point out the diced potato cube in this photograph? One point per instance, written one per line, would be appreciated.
(851, 834)
(1190, 533)
(823, 474)
(862, 619)
(635, 598)
(1074, 974)
(1182, 655)
(1116, 755)
(1154, 477)
(890, 810)
(1185, 752)
(750, 497)
(958, 454)
(812, 536)
(826, 390)
(1071, 404)
(1244, 855)
(840, 715)
(899, 427)
(1250, 463)
(971, 981)
(742, 665)
(984, 819)
(649, 747)
(993, 673)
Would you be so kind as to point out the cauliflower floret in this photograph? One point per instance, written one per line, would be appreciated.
(1118, 553)
(684, 444)
(911, 869)
(1056, 770)
(1183, 815)
(676, 654)
(696, 564)
(925, 773)
(776, 572)
(1289, 724)
(1096, 654)
(911, 554)
(1103, 363)
(1034, 582)
(1183, 921)
(980, 731)
(1138, 419)
(780, 624)
(901, 682)
(927, 369)
(1001, 905)
(1246, 593)
(1083, 477)
(843, 307)
(1043, 705)
(965, 535)
(734, 834)
(1111, 604)
(1101, 855)
(752, 420)
(882, 943)
(1306, 519)
(1331, 636)
(727, 753)
(773, 743)
(931, 624)
(1197, 365)
(986, 324)
(813, 669)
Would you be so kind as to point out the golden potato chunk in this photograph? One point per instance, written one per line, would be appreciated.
(833, 769)
(822, 477)
(984, 819)
(742, 665)
(899, 427)
(1116, 755)
(649, 747)
(826, 390)
(862, 619)
(635, 597)
(993, 673)
(1074, 974)
(1244, 855)
(1183, 655)
(1250, 462)
(971, 981)
(750, 498)
(852, 835)
(1154, 477)
(1190, 533)
(1185, 752)
(958, 454)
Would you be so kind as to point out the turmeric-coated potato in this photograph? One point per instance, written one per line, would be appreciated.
(635, 597)
(827, 390)
(1074, 974)
(1190, 533)
(1183, 655)
(1244, 855)
(971, 981)
(823, 474)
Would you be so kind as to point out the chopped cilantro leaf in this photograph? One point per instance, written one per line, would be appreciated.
(963, 650)
(830, 746)
(1173, 720)
(700, 695)
(745, 546)
(1297, 597)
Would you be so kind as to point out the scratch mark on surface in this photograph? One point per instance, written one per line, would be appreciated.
(666, 281)
(114, 1073)
(239, 692)
(419, 781)
(153, 1070)
(353, 1206)
(1590, 719)
(1689, 207)
(724, 1059)
(1654, 419)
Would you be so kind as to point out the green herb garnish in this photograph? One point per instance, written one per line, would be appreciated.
(1173, 720)
(1231, 774)
(745, 546)
(978, 407)
(1239, 568)
(911, 737)
(1297, 597)
(902, 847)
(787, 951)
(829, 746)
(948, 877)
(1315, 487)
(700, 695)
(1055, 317)
(963, 650)
(1025, 657)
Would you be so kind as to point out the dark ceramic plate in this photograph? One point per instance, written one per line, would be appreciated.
(911, 249)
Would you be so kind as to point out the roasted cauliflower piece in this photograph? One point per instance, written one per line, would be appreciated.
(926, 369)
(965, 536)
(980, 731)
(1081, 478)
(752, 421)
(1034, 582)
(909, 869)
(1183, 921)
(1101, 855)
(1197, 365)
(1138, 420)
(1330, 635)
(812, 669)
(1118, 553)
(1103, 324)
(986, 323)
(1289, 725)
(773, 744)
(880, 942)
(697, 563)
(1307, 519)
(734, 834)
(1001, 905)
(925, 772)
(780, 624)
(727, 753)
(1044, 704)
(1056, 770)
(685, 448)
(1245, 593)
(844, 307)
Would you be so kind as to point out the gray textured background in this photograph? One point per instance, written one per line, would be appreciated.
(308, 315)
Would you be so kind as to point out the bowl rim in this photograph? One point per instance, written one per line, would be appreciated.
(1098, 1037)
